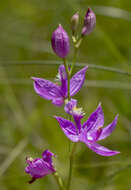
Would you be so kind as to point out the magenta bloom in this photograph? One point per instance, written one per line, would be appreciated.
(89, 22)
(40, 167)
(60, 42)
(57, 94)
(90, 132)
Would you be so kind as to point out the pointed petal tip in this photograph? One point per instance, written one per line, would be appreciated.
(117, 152)
(116, 119)
(34, 78)
(59, 25)
(117, 116)
(47, 152)
(89, 9)
(55, 116)
(113, 153)
(85, 68)
(99, 105)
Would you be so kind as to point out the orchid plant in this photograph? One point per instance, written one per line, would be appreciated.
(91, 131)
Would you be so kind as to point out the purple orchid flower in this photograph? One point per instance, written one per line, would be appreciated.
(90, 132)
(57, 94)
(40, 167)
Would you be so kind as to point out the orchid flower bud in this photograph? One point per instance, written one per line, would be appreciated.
(60, 42)
(89, 22)
(74, 22)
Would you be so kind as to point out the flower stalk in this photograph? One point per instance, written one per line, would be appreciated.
(59, 180)
(71, 165)
(76, 43)
(69, 72)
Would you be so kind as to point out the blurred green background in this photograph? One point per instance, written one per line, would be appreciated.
(27, 126)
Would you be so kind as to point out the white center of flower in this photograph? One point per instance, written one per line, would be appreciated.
(89, 137)
(66, 101)
(78, 111)
(57, 78)
(30, 159)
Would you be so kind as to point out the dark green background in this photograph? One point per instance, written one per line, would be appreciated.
(27, 126)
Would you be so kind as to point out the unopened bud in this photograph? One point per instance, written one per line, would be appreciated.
(60, 42)
(89, 22)
(74, 22)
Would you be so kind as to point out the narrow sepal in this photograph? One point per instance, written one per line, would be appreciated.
(77, 81)
(68, 128)
(63, 79)
(95, 120)
(109, 129)
(48, 90)
(101, 150)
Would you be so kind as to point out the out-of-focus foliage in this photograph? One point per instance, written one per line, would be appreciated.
(27, 126)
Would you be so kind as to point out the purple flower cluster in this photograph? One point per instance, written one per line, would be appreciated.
(91, 131)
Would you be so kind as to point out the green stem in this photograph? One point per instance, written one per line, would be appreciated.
(59, 181)
(74, 59)
(76, 47)
(71, 165)
(69, 72)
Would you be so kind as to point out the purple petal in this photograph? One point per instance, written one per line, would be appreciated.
(91, 136)
(77, 81)
(109, 129)
(77, 119)
(58, 101)
(70, 105)
(95, 121)
(27, 170)
(63, 78)
(101, 150)
(77, 113)
(46, 89)
(47, 156)
(68, 128)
